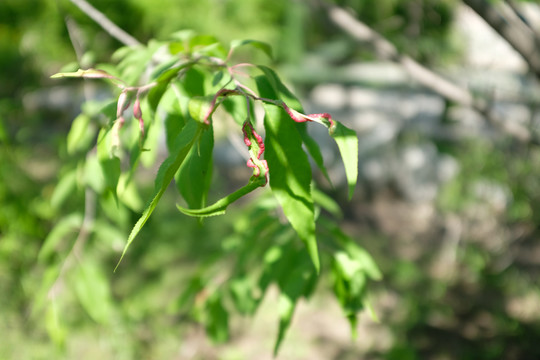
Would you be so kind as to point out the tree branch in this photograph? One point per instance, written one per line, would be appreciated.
(106, 24)
(431, 80)
(512, 29)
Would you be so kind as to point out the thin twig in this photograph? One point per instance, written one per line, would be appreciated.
(431, 80)
(106, 24)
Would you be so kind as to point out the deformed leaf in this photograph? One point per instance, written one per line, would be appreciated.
(347, 142)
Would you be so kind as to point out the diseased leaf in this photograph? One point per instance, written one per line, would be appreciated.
(290, 172)
(347, 142)
(182, 145)
(195, 175)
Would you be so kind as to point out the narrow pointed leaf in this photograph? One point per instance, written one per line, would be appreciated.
(347, 142)
(300, 282)
(89, 74)
(219, 207)
(183, 144)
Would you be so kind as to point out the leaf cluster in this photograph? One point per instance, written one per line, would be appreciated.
(183, 87)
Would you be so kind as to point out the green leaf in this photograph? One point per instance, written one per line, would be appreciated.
(217, 318)
(264, 47)
(300, 281)
(357, 253)
(80, 135)
(219, 207)
(68, 225)
(195, 175)
(347, 142)
(156, 93)
(65, 187)
(290, 172)
(174, 122)
(326, 202)
(280, 91)
(241, 289)
(89, 74)
(93, 291)
(55, 329)
(237, 107)
(153, 130)
(182, 146)
(313, 149)
(199, 106)
(110, 164)
(93, 174)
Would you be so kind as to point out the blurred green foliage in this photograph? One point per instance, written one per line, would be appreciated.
(34, 43)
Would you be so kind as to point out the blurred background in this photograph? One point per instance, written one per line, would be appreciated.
(448, 200)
